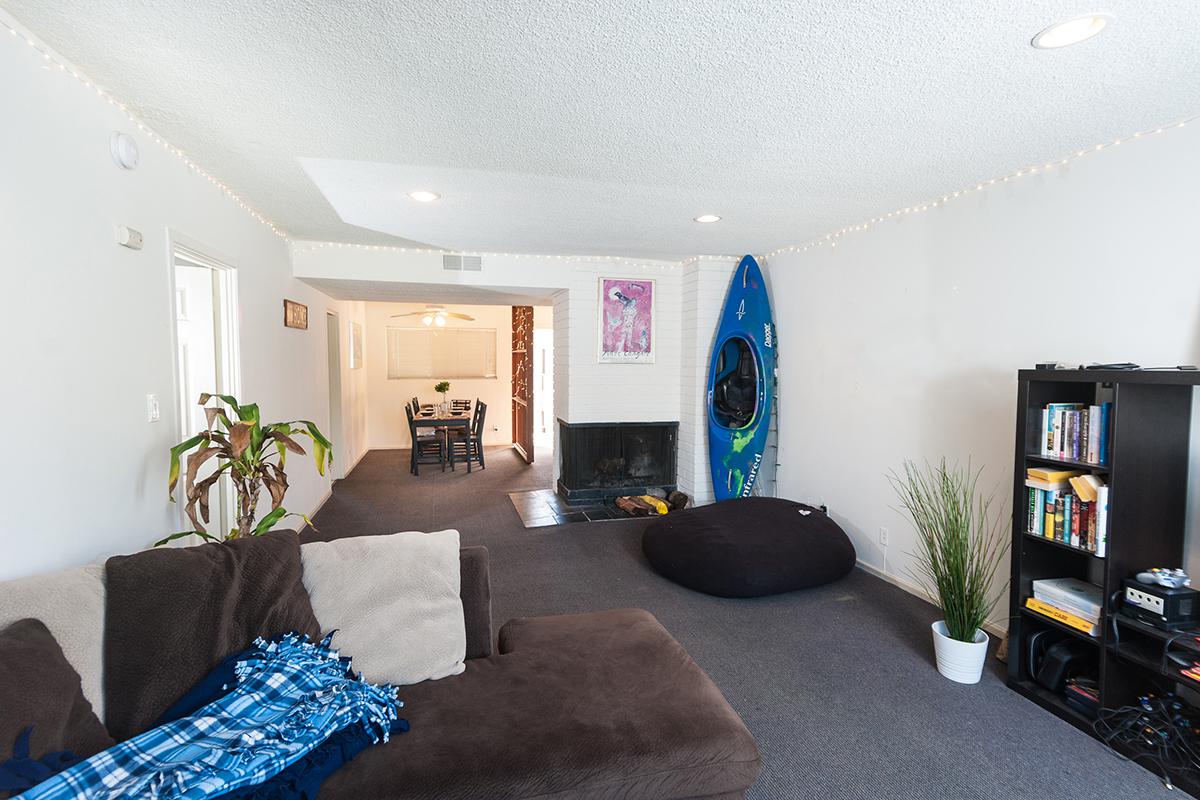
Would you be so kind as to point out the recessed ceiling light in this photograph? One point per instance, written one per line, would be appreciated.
(707, 218)
(422, 196)
(1073, 31)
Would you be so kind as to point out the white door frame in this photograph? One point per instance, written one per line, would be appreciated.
(228, 352)
(333, 341)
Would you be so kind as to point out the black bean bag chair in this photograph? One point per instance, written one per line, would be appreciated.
(748, 547)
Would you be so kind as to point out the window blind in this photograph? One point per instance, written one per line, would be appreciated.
(441, 353)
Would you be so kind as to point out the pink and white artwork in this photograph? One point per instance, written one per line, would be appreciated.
(626, 321)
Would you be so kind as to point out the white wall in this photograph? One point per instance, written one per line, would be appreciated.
(387, 424)
(353, 441)
(86, 332)
(705, 284)
(904, 341)
(622, 392)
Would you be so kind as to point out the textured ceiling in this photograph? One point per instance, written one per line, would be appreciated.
(585, 127)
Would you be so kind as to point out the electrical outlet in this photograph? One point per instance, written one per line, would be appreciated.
(883, 537)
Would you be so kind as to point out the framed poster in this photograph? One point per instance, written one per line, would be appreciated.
(626, 320)
(295, 315)
(355, 345)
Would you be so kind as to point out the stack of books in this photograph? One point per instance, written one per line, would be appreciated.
(1077, 432)
(1070, 601)
(1068, 506)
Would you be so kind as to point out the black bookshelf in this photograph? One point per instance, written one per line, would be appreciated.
(1147, 476)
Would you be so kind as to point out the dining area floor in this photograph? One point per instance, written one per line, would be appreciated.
(381, 495)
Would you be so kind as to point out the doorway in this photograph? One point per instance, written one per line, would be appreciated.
(206, 355)
(333, 339)
(543, 388)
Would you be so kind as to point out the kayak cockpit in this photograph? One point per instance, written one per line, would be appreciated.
(735, 384)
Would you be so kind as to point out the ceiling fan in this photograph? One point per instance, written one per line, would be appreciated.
(436, 315)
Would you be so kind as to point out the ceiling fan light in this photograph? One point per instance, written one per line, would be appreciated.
(440, 320)
(427, 319)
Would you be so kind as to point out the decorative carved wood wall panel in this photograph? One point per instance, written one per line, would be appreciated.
(522, 380)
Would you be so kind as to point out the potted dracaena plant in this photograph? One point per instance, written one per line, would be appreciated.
(961, 543)
(251, 454)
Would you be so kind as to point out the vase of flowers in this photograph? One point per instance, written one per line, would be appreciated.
(441, 387)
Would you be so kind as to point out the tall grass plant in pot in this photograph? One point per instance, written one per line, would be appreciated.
(961, 542)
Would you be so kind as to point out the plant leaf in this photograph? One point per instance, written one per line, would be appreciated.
(173, 471)
(286, 441)
(322, 447)
(196, 460)
(182, 534)
(266, 522)
(239, 438)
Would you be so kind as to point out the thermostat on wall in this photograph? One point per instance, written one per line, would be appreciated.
(128, 237)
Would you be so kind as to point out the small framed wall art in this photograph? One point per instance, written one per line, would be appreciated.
(295, 315)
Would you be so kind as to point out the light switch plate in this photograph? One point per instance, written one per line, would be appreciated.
(152, 411)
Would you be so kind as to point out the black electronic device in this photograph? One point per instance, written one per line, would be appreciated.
(1062, 660)
(1163, 607)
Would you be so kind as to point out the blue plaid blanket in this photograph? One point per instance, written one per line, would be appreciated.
(291, 696)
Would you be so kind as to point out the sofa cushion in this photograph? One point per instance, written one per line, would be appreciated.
(174, 613)
(602, 705)
(39, 687)
(748, 547)
(394, 601)
(71, 604)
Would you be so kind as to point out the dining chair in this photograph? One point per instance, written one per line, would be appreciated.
(469, 441)
(428, 446)
(461, 406)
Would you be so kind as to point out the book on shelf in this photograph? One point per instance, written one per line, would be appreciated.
(1071, 511)
(1101, 521)
(1076, 432)
(1051, 474)
(1086, 487)
(1072, 595)
(1058, 615)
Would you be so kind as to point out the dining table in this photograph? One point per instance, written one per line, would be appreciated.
(431, 417)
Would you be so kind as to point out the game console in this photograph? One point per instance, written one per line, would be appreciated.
(1158, 605)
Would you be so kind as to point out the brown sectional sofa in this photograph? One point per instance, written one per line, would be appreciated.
(599, 705)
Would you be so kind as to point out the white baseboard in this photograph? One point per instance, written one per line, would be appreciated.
(346, 474)
(321, 502)
(991, 626)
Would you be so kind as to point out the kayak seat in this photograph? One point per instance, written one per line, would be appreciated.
(735, 395)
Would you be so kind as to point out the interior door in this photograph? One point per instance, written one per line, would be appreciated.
(522, 381)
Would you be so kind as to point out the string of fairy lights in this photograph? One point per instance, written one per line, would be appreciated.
(830, 239)
(52, 61)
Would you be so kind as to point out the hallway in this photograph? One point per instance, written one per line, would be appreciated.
(381, 496)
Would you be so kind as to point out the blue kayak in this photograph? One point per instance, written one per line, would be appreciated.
(741, 383)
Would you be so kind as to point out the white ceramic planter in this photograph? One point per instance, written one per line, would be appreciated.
(961, 662)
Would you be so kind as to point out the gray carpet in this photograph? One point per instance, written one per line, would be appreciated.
(837, 684)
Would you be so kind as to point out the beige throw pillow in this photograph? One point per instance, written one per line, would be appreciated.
(71, 604)
(394, 601)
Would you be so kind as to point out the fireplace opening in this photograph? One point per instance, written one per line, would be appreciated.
(604, 460)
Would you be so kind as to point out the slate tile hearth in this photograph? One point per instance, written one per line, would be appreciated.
(542, 507)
